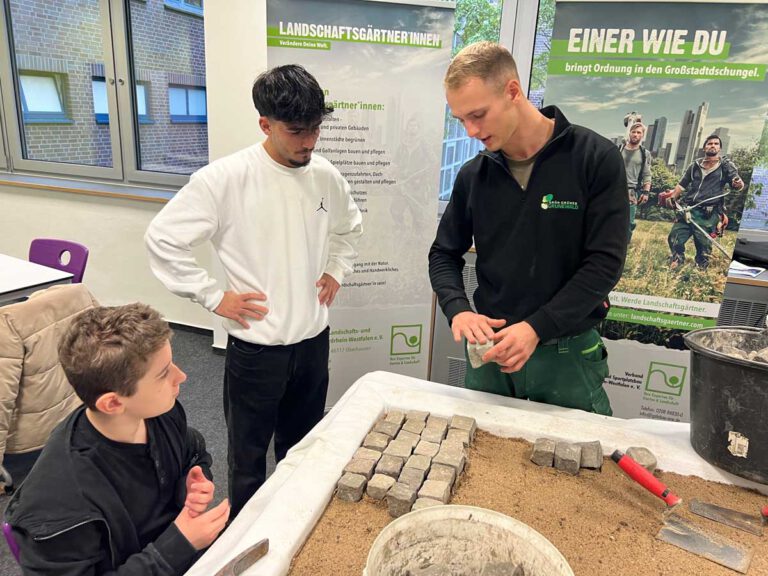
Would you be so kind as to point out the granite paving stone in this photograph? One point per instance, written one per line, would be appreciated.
(410, 437)
(361, 466)
(390, 466)
(416, 415)
(396, 417)
(415, 426)
(437, 422)
(543, 452)
(425, 503)
(350, 487)
(434, 435)
(568, 457)
(367, 454)
(436, 489)
(376, 441)
(420, 462)
(399, 448)
(443, 473)
(451, 455)
(400, 499)
(591, 455)
(413, 477)
(425, 448)
(379, 485)
(644, 457)
(455, 434)
(389, 428)
(465, 423)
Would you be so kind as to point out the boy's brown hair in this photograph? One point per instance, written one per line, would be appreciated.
(107, 349)
(488, 61)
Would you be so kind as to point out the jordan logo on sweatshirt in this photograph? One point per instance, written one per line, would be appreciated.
(321, 206)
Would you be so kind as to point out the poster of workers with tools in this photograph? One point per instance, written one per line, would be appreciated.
(381, 65)
(680, 88)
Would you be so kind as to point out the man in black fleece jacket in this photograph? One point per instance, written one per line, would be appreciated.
(122, 486)
(546, 206)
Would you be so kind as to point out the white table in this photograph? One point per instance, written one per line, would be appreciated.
(287, 506)
(20, 278)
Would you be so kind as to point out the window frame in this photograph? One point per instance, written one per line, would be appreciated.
(3, 146)
(185, 7)
(188, 118)
(103, 118)
(13, 112)
(45, 117)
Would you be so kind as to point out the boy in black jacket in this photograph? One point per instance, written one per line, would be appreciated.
(546, 206)
(123, 485)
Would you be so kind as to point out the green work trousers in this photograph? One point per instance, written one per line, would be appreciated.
(682, 231)
(566, 372)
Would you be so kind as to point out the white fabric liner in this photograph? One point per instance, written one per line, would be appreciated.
(289, 504)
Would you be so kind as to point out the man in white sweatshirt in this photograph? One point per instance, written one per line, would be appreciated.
(285, 228)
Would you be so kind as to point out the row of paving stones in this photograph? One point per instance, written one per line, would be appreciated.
(571, 457)
(410, 459)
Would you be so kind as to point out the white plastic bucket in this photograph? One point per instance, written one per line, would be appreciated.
(462, 539)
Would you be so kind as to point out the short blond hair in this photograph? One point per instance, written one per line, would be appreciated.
(488, 61)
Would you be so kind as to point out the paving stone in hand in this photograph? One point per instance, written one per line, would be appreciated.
(376, 441)
(379, 485)
(475, 353)
(390, 466)
(350, 487)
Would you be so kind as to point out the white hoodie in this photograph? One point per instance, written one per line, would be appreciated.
(276, 230)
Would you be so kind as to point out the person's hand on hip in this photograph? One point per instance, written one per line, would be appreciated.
(238, 307)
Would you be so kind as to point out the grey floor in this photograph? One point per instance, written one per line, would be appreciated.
(201, 397)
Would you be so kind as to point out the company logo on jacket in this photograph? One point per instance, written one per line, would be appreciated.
(321, 206)
(548, 202)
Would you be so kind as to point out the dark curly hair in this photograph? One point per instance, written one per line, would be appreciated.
(290, 94)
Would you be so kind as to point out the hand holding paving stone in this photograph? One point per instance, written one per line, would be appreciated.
(476, 352)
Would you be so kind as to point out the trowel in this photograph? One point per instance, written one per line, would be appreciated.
(734, 518)
(680, 532)
(245, 559)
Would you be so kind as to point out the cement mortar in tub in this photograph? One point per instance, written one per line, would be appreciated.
(463, 540)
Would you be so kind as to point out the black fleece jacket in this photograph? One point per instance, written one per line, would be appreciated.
(70, 521)
(549, 254)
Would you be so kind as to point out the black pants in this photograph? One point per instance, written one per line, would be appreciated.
(269, 389)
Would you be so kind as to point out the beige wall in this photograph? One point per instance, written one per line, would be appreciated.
(113, 230)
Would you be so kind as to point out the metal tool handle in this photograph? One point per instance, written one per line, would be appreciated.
(645, 478)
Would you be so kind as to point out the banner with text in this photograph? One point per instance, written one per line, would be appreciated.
(381, 65)
(683, 71)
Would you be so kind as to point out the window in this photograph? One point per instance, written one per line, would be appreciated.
(101, 110)
(190, 6)
(187, 104)
(87, 91)
(42, 98)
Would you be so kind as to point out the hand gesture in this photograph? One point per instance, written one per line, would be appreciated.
(199, 492)
(202, 530)
(737, 183)
(328, 289)
(238, 307)
(514, 345)
(643, 198)
(476, 328)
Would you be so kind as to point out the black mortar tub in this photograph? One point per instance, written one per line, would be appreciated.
(729, 401)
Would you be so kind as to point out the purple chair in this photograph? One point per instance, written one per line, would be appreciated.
(48, 252)
(12, 544)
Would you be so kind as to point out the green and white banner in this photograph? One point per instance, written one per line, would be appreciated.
(686, 70)
(382, 65)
